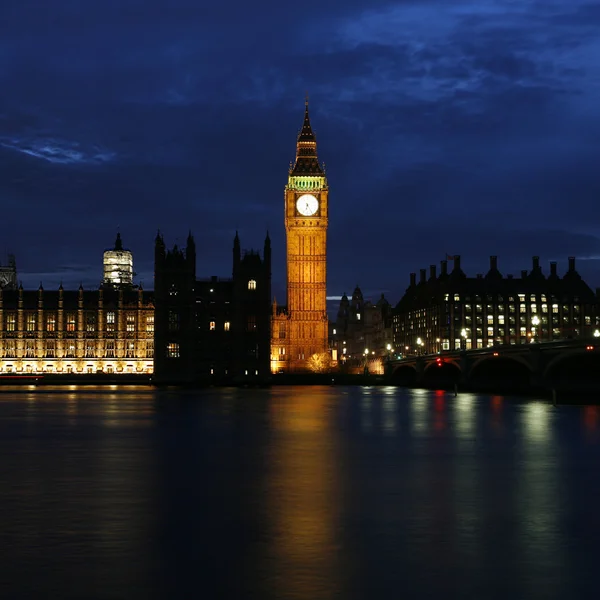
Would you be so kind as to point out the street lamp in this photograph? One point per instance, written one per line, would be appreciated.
(597, 333)
(535, 322)
(420, 345)
(463, 336)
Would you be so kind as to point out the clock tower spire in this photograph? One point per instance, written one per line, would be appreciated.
(301, 333)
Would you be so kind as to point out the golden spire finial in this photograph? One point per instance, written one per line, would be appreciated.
(306, 100)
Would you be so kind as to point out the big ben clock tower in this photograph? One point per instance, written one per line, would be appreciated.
(306, 218)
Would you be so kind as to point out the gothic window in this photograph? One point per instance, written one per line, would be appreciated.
(212, 325)
(172, 350)
(50, 348)
(90, 324)
(150, 324)
(70, 350)
(252, 284)
(227, 326)
(150, 349)
(31, 322)
(70, 321)
(173, 320)
(130, 322)
(130, 350)
(51, 322)
(29, 349)
(90, 350)
(110, 349)
(11, 322)
(10, 349)
(110, 321)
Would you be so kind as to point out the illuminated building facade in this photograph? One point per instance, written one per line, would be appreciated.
(451, 311)
(300, 330)
(76, 332)
(118, 265)
(214, 329)
(8, 274)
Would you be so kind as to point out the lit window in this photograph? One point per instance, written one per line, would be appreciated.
(523, 331)
(534, 308)
(30, 349)
(252, 284)
(110, 349)
(130, 322)
(544, 308)
(490, 332)
(456, 298)
(31, 322)
(172, 350)
(212, 325)
(50, 348)
(90, 324)
(334, 332)
(588, 320)
(522, 308)
(130, 350)
(358, 316)
(227, 326)
(90, 350)
(11, 321)
(490, 319)
(71, 322)
(10, 349)
(51, 322)
(110, 321)
(555, 309)
(70, 350)
(500, 319)
(150, 349)
(150, 324)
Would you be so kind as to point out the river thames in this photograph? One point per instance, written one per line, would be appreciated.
(296, 492)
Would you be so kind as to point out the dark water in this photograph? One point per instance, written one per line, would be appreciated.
(300, 493)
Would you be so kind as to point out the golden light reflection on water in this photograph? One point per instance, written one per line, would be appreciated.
(304, 494)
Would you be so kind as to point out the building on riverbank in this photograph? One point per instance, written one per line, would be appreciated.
(76, 331)
(213, 329)
(451, 311)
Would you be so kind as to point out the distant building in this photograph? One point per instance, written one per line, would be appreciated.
(363, 331)
(453, 311)
(80, 331)
(212, 329)
(118, 265)
(8, 274)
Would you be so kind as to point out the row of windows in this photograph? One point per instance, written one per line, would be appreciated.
(91, 351)
(90, 324)
(499, 298)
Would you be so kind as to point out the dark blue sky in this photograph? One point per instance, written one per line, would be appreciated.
(466, 127)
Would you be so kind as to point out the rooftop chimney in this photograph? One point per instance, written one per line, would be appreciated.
(493, 263)
(553, 269)
(524, 274)
(444, 267)
(432, 274)
(423, 276)
(571, 263)
(536, 263)
(413, 279)
(457, 262)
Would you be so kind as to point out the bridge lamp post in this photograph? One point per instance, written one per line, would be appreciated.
(463, 339)
(420, 345)
(535, 322)
(366, 368)
(597, 333)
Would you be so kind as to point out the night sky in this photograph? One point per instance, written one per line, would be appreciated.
(465, 127)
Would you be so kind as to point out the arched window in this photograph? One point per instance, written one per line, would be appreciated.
(252, 284)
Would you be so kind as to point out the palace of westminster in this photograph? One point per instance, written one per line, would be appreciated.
(215, 329)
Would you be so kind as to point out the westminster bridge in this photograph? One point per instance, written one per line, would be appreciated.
(571, 364)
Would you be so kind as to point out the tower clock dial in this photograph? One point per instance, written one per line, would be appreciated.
(307, 205)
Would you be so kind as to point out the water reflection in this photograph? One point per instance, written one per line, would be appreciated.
(303, 496)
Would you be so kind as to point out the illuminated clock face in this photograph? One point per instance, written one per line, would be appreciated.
(307, 205)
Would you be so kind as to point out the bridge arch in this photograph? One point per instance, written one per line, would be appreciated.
(404, 375)
(443, 375)
(502, 372)
(579, 364)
